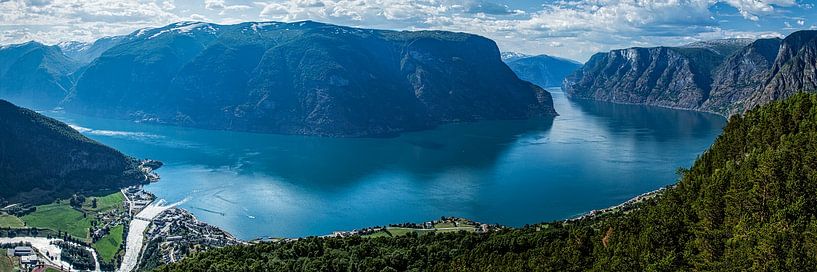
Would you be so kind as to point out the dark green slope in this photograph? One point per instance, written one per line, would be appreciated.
(749, 203)
(42, 158)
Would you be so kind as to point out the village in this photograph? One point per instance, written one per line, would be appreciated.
(444, 224)
(175, 233)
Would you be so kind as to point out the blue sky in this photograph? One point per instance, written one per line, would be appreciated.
(569, 28)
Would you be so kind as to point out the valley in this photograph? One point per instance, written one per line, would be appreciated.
(231, 135)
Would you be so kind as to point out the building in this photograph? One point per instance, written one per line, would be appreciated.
(31, 260)
(21, 251)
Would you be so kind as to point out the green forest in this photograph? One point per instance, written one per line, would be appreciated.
(748, 203)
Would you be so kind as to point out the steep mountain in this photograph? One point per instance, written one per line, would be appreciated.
(542, 70)
(762, 71)
(42, 159)
(740, 76)
(674, 77)
(35, 75)
(749, 203)
(85, 53)
(303, 78)
(794, 69)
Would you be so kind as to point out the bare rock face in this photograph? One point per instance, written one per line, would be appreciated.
(740, 76)
(794, 70)
(304, 78)
(660, 76)
(724, 77)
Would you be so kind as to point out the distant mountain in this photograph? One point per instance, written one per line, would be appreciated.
(303, 78)
(35, 75)
(542, 70)
(512, 56)
(723, 76)
(674, 77)
(42, 159)
(86, 52)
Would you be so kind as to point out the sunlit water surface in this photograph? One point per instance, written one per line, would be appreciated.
(513, 173)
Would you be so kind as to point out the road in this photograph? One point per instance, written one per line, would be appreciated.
(43, 245)
(136, 234)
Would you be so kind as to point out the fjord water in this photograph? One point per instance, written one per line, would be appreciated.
(592, 156)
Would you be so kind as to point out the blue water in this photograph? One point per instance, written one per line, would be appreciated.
(513, 173)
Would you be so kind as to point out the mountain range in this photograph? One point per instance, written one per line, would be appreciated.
(542, 70)
(35, 75)
(723, 76)
(291, 78)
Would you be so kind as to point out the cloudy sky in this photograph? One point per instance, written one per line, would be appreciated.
(569, 28)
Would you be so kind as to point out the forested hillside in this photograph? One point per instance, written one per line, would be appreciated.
(42, 159)
(748, 203)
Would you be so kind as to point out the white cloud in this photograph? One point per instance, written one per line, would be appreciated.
(572, 28)
(752, 9)
(222, 6)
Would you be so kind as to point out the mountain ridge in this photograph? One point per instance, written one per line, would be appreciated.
(412, 81)
(542, 70)
(736, 78)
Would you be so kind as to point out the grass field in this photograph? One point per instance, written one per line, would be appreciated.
(444, 225)
(109, 244)
(59, 217)
(377, 234)
(10, 221)
(104, 203)
(51, 269)
(7, 264)
(403, 231)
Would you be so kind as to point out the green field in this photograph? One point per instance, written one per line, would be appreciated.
(7, 264)
(104, 203)
(377, 234)
(10, 221)
(444, 225)
(59, 217)
(109, 244)
(403, 231)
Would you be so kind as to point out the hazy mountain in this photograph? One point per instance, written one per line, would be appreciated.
(42, 158)
(542, 70)
(511, 56)
(723, 76)
(35, 75)
(303, 78)
(83, 52)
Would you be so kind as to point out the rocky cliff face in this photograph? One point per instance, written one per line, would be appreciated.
(35, 75)
(794, 69)
(42, 159)
(542, 70)
(740, 76)
(661, 76)
(728, 78)
(304, 78)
